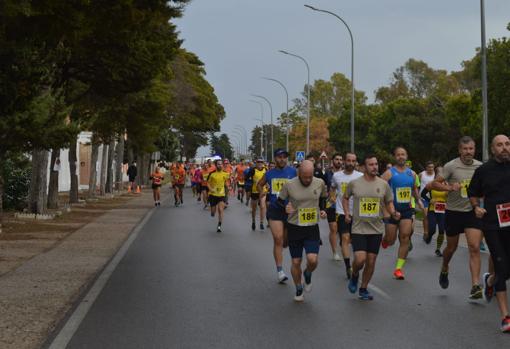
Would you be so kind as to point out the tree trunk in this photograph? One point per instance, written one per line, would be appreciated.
(109, 166)
(130, 153)
(119, 160)
(93, 167)
(73, 159)
(53, 185)
(37, 197)
(102, 177)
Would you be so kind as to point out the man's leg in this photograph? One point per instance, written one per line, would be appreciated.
(451, 246)
(425, 222)
(474, 238)
(221, 208)
(312, 260)
(390, 234)
(368, 271)
(332, 236)
(296, 271)
(360, 258)
(404, 236)
(277, 231)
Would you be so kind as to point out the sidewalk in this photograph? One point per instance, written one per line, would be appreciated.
(38, 294)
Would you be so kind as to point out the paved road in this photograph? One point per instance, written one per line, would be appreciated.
(182, 285)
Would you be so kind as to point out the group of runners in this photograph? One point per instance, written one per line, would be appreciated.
(368, 211)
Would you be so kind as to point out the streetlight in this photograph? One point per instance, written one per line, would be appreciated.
(236, 140)
(241, 127)
(483, 53)
(287, 115)
(271, 111)
(238, 133)
(352, 68)
(261, 127)
(308, 98)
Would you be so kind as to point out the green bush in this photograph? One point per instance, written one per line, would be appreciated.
(16, 171)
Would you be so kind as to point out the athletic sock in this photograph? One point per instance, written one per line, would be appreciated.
(219, 224)
(279, 268)
(308, 276)
(299, 288)
(440, 239)
(361, 290)
(400, 263)
(347, 262)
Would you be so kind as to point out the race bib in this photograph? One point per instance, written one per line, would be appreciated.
(307, 216)
(157, 180)
(277, 185)
(403, 195)
(463, 189)
(440, 207)
(369, 207)
(503, 211)
(343, 186)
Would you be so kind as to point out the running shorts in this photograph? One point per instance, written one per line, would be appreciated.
(369, 243)
(303, 238)
(331, 213)
(214, 200)
(343, 227)
(456, 222)
(404, 214)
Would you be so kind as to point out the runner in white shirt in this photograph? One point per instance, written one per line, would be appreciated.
(338, 185)
(426, 177)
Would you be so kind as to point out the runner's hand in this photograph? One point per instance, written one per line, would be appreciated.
(396, 215)
(480, 212)
(348, 218)
(323, 214)
(289, 209)
(456, 186)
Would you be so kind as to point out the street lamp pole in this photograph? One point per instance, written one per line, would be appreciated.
(485, 131)
(241, 127)
(286, 115)
(308, 98)
(352, 68)
(261, 126)
(271, 111)
(241, 139)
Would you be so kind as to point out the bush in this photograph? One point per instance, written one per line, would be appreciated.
(16, 171)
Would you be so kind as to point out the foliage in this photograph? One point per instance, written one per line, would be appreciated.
(16, 172)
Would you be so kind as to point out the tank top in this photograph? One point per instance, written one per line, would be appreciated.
(425, 179)
(257, 176)
(276, 178)
(402, 184)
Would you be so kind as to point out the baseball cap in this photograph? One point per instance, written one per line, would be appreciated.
(259, 160)
(281, 151)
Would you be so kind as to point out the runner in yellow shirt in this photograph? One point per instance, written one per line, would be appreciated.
(216, 182)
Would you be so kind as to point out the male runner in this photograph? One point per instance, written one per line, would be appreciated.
(306, 196)
(402, 181)
(248, 182)
(336, 166)
(240, 180)
(276, 215)
(217, 182)
(460, 217)
(491, 181)
(426, 177)
(255, 175)
(369, 193)
(178, 180)
(339, 184)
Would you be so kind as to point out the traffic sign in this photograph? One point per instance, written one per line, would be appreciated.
(300, 155)
(324, 155)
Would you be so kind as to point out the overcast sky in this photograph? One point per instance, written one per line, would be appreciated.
(238, 41)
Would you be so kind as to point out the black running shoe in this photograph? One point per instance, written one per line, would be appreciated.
(252, 225)
(476, 292)
(261, 226)
(443, 280)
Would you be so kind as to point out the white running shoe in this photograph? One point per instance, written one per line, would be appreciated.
(308, 287)
(282, 277)
(299, 297)
(336, 257)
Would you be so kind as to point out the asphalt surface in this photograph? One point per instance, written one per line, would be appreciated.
(182, 285)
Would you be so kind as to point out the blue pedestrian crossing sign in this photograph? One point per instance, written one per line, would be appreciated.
(300, 155)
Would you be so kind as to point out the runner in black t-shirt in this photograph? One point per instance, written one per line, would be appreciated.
(491, 181)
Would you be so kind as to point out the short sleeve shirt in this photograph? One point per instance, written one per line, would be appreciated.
(456, 171)
(305, 200)
(339, 182)
(492, 182)
(369, 200)
(217, 181)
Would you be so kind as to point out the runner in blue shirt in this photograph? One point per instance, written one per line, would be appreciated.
(275, 179)
(248, 182)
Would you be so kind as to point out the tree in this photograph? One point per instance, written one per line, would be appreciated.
(221, 145)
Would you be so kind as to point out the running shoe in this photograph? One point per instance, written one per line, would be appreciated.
(156, 204)
(505, 324)
(299, 297)
(348, 271)
(159, 203)
(218, 229)
(308, 282)
(353, 284)
(252, 225)
(476, 292)
(365, 295)
(438, 253)
(282, 277)
(336, 257)
(261, 226)
(212, 214)
(398, 274)
(384, 244)
(488, 291)
(443, 280)
(427, 239)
